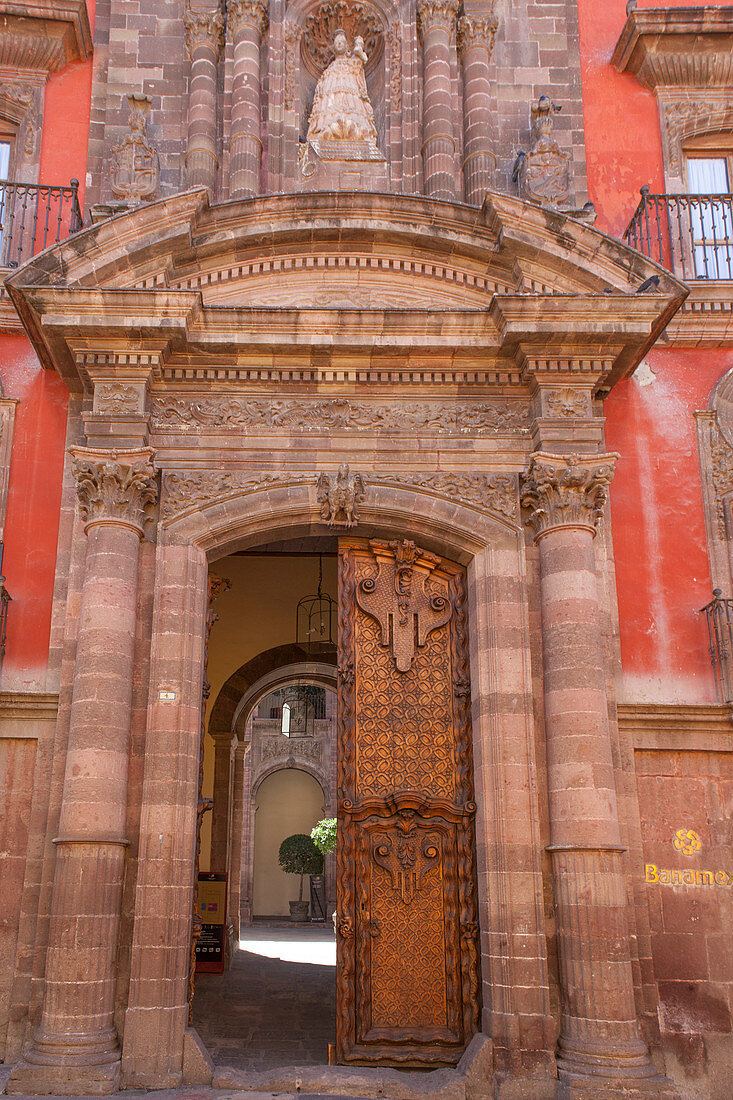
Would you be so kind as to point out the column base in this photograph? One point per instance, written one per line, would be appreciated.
(581, 1086)
(69, 1080)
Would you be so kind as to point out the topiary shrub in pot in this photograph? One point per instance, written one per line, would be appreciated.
(298, 855)
(324, 835)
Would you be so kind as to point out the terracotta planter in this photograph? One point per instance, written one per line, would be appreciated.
(299, 911)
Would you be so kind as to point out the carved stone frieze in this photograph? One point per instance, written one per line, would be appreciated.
(251, 13)
(291, 38)
(184, 491)
(339, 496)
(489, 417)
(475, 30)
(488, 492)
(135, 167)
(204, 28)
(567, 402)
(543, 174)
(355, 20)
(436, 13)
(398, 598)
(116, 486)
(566, 490)
(395, 68)
(306, 747)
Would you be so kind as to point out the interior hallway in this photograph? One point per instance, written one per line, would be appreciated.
(276, 1005)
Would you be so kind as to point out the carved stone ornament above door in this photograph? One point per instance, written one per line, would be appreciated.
(398, 599)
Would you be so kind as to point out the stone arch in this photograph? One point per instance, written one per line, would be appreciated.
(491, 545)
(313, 672)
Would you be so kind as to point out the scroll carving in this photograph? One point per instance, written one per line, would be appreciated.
(118, 486)
(489, 492)
(721, 455)
(339, 496)
(567, 402)
(116, 398)
(183, 491)
(398, 599)
(406, 856)
(562, 490)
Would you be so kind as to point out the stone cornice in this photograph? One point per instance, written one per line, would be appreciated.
(28, 706)
(706, 317)
(115, 486)
(684, 47)
(565, 490)
(204, 28)
(43, 35)
(666, 727)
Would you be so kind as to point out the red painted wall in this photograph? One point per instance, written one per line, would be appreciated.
(34, 494)
(656, 498)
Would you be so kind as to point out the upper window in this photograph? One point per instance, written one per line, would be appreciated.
(709, 163)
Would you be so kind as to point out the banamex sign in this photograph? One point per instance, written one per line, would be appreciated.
(688, 842)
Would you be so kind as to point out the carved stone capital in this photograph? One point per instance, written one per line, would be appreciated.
(476, 30)
(115, 486)
(252, 13)
(436, 13)
(566, 490)
(204, 28)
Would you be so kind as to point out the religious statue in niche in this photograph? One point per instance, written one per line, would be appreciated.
(135, 168)
(342, 125)
(543, 174)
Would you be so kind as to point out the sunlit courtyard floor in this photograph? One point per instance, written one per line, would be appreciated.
(275, 1006)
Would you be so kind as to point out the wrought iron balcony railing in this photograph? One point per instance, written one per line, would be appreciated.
(719, 613)
(690, 235)
(33, 216)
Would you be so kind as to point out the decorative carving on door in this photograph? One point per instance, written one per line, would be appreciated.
(407, 983)
(398, 599)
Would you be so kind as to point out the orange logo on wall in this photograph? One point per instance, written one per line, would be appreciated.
(687, 841)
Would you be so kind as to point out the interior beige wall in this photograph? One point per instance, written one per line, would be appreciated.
(257, 613)
(288, 801)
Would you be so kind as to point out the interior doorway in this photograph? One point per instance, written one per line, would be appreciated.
(269, 769)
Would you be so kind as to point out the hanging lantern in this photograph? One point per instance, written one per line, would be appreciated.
(315, 620)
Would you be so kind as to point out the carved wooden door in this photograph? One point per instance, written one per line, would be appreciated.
(408, 987)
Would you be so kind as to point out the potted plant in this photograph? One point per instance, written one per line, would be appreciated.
(324, 836)
(298, 855)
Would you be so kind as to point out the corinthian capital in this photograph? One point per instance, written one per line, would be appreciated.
(115, 486)
(436, 13)
(566, 490)
(204, 28)
(241, 13)
(476, 30)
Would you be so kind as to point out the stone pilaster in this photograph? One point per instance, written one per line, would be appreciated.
(436, 21)
(75, 1047)
(247, 22)
(204, 42)
(600, 1047)
(475, 43)
(221, 809)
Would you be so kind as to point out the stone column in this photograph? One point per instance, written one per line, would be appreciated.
(475, 43)
(436, 21)
(599, 1036)
(75, 1047)
(204, 41)
(220, 810)
(247, 21)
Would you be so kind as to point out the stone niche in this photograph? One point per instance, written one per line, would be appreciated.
(309, 34)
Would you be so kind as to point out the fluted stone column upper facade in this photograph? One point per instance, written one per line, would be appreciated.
(599, 1034)
(76, 1043)
(204, 42)
(247, 21)
(475, 43)
(437, 25)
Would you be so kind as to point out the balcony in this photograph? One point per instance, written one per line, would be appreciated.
(690, 235)
(33, 217)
